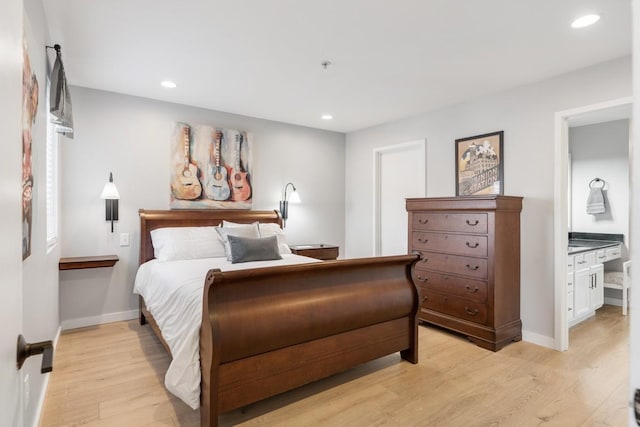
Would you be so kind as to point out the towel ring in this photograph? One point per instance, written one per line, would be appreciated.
(595, 181)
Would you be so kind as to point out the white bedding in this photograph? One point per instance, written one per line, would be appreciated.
(173, 291)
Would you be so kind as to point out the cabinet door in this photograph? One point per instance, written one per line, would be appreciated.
(581, 292)
(597, 286)
(570, 288)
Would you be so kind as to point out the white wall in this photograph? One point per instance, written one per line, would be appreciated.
(41, 318)
(601, 150)
(130, 137)
(526, 114)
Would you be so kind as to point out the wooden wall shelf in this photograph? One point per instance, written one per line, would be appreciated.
(78, 263)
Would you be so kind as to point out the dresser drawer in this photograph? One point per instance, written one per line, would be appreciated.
(459, 244)
(466, 266)
(458, 222)
(453, 285)
(458, 307)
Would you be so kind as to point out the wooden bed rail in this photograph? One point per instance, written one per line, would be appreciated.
(266, 331)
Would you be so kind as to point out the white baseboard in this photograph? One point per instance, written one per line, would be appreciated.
(45, 384)
(98, 320)
(538, 339)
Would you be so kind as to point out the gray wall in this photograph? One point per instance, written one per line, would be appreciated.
(600, 150)
(526, 114)
(129, 136)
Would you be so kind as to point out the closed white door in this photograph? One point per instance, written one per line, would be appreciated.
(400, 174)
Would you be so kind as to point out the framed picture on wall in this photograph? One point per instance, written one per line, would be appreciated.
(480, 165)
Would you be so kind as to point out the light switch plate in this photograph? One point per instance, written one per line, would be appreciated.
(124, 239)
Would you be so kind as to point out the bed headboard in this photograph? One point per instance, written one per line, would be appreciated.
(150, 220)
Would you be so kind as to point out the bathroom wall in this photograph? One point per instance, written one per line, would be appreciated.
(601, 150)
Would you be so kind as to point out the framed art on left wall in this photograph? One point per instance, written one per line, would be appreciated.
(29, 109)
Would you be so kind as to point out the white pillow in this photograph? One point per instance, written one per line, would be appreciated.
(178, 243)
(239, 230)
(229, 224)
(268, 229)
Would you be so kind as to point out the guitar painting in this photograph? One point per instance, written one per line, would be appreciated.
(217, 185)
(185, 184)
(238, 179)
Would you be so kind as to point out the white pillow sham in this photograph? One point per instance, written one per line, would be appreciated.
(180, 243)
(266, 229)
(239, 230)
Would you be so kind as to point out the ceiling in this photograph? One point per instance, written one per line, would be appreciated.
(390, 60)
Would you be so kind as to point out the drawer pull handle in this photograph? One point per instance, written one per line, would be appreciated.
(423, 221)
(422, 241)
(474, 224)
(474, 246)
(424, 298)
(570, 309)
(424, 260)
(473, 268)
(471, 312)
(473, 291)
(422, 279)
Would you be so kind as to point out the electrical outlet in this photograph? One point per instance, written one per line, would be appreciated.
(27, 393)
(124, 239)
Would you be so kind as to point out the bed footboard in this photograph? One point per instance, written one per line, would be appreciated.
(266, 331)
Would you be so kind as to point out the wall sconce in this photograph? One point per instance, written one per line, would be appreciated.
(111, 196)
(294, 197)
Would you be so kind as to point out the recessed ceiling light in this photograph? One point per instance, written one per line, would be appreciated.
(327, 117)
(585, 21)
(168, 83)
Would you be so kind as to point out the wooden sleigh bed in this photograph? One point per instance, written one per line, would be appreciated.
(268, 330)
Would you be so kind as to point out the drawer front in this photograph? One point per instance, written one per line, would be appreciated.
(580, 262)
(453, 285)
(613, 253)
(601, 256)
(464, 223)
(458, 307)
(466, 266)
(459, 244)
(589, 258)
(570, 262)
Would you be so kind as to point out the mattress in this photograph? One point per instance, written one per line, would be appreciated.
(173, 292)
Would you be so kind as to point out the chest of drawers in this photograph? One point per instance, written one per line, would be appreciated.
(468, 274)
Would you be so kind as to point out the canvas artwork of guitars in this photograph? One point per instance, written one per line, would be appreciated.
(240, 188)
(217, 185)
(186, 185)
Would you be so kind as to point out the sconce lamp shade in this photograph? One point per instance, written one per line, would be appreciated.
(294, 197)
(110, 195)
(110, 191)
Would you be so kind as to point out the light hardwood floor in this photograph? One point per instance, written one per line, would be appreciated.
(112, 375)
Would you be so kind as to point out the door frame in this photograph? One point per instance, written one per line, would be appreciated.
(560, 212)
(378, 152)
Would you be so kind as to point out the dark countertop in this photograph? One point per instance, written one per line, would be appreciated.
(577, 246)
(583, 242)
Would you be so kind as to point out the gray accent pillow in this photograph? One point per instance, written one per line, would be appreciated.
(245, 249)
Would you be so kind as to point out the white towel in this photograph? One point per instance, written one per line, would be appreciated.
(595, 202)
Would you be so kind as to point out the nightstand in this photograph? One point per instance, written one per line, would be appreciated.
(317, 250)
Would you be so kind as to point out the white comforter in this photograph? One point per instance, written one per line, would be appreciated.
(173, 292)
